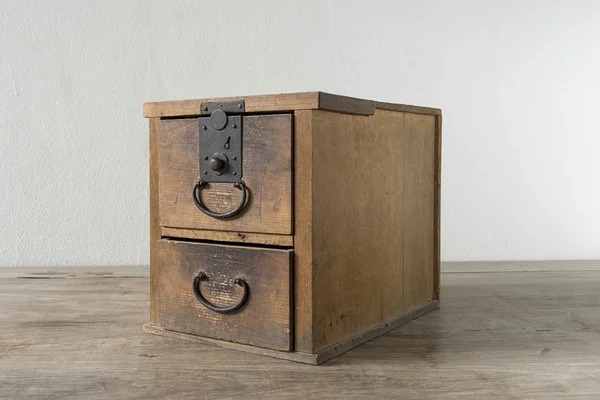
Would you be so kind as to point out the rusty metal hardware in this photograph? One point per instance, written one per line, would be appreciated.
(218, 163)
(229, 214)
(220, 138)
(220, 133)
(229, 107)
(222, 310)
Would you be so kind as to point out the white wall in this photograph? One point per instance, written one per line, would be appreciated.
(518, 82)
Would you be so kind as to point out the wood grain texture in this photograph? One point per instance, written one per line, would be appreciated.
(154, 224)
(345, 104)
(284, 102)
(522, 266)
(267, 173)
(73, 333)
(419, 250)
(371, 333)
(307, 358)
(235, 237)
(407, 108)
(373, 220)
(303, 232)
(261, 103)
(437, 208)
(357, 223)
(265, 319)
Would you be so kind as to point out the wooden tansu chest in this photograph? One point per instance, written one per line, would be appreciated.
(297, 226)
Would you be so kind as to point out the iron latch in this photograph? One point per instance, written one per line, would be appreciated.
(220, 135)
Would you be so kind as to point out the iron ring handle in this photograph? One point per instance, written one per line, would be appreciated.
(221, 310)
(201, 185)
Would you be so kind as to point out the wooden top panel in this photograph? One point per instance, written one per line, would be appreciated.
(285, 102)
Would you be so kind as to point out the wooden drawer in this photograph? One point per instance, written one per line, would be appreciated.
(263, 320)
(267, 173)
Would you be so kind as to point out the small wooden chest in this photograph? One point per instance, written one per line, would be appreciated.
(297, 226)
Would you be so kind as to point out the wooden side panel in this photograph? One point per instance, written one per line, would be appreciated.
(265, 319)
(303, 225)
(358, 223)
(267, 172)
(154, 224)
(419, 209)
(437, 207)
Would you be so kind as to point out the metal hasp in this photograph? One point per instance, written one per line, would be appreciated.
(220, 135)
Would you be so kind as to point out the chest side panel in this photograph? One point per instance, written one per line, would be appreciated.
(373, 220)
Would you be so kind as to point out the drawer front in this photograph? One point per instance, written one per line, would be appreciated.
(267, 174)
(263, 320)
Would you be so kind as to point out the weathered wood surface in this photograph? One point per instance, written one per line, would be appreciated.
(437, 207)
(407, 108)
(261, 103)
(419, 207)
(77, 333)
(303, 230)
(285, 102)
(373, 225)
(224, 236)
(264, 320)
(308, 358)
(154, 223)
(267, 170)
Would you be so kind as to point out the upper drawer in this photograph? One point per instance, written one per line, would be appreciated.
(267, 174)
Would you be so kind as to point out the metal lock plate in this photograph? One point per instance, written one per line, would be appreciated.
(220, 135)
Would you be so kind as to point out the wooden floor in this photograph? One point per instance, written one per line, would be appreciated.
(77, 333)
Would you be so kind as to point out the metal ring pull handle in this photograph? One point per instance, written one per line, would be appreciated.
(196, 196)
(222, 310)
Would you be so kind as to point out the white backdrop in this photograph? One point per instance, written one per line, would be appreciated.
(518, 82)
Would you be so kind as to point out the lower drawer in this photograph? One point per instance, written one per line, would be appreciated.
(199, 285)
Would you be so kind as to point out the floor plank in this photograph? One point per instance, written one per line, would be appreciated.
(77, 333)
